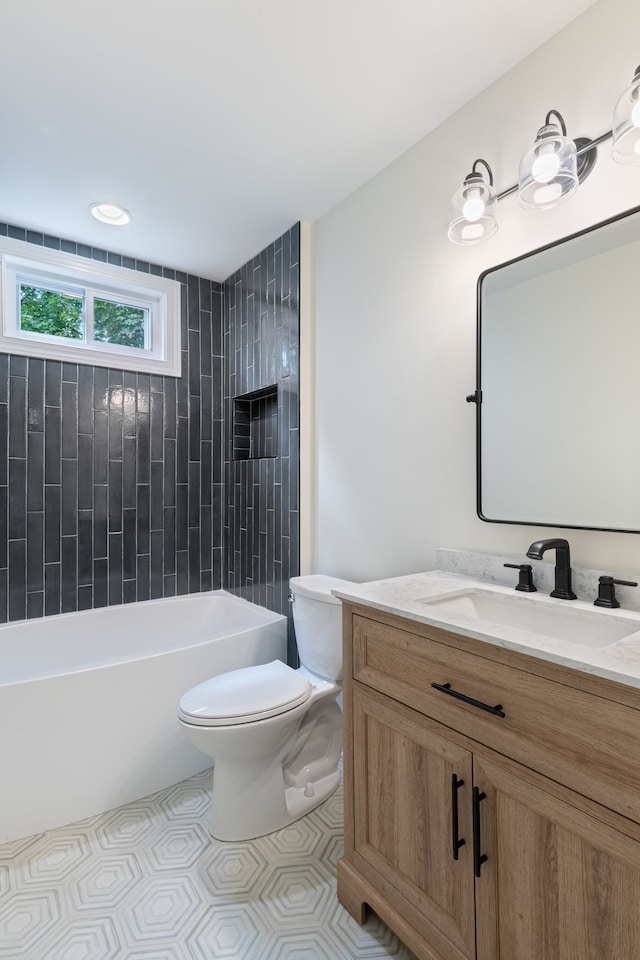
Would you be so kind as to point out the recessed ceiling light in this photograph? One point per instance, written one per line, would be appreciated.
(110, 213)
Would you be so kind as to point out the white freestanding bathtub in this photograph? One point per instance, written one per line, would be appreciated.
(88, 701)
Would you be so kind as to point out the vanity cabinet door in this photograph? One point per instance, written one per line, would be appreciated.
(405, 797)
(557, 884)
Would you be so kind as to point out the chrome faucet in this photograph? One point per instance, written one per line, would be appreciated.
(563, 565)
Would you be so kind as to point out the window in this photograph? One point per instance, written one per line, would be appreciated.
(63, 307)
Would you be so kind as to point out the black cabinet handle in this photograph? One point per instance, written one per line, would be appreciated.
(478, 857)
(496, 711)
(456, 842)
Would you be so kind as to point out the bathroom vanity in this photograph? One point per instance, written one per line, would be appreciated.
(492, 776)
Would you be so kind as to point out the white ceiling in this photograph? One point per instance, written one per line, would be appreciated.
(219, 123)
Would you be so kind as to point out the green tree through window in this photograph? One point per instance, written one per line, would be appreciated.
(51, 312)
(119, 323)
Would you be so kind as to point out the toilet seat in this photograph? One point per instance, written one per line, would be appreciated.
(245, 695)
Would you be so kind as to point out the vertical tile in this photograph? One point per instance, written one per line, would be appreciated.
(85, 472)
(194, 495)
(116, 409)
(35, 471)
(17, 499)
(35, 395)
(143, 519)
(85, 547)
(52, 584)
(100, 516)
(69, 572)
(182, 451)
(115, 496)
(129, 544)
(182, 572)
(85, 399)
(129, 471)
(100, 446)
(17, 417)
(129, 403)
(182, 516)
(169, 467)
(115, 568)
(143, 448)
(169, 541)
(194, 559)
(52, 523)
(69, 419)
(156, 426)
(170, 412)
(100, 582)
(52, 445)
(144, 576)
(157, 572)
(69, 526)
(53, 379)
(35, 552)
(17, 579)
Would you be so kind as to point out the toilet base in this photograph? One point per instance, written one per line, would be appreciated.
(259, 824)
(253, 798)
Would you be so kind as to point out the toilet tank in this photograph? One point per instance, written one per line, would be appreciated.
(317, 618)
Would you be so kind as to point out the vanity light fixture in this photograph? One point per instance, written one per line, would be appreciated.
(550, 171)
(110, 213)
(626, 124)
(473, 208)
(549, 168)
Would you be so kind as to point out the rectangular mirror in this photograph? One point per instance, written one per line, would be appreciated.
(558, 372)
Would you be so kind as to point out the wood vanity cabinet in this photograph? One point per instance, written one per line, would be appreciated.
(504, 834)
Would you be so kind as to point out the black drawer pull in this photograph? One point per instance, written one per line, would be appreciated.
(456, 842)
(496, 711)
(478, 858)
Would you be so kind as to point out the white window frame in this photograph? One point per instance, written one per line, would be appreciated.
(25, 263)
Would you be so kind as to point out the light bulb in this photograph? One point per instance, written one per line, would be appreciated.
(545, 166)
(474, 206)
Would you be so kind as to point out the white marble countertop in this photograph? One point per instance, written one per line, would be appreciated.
(405, 596)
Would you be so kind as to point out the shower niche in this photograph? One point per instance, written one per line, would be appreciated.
(255, 424)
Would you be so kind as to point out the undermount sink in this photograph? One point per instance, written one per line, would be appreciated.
(566, 623)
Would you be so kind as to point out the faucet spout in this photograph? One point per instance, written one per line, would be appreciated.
(536, 551)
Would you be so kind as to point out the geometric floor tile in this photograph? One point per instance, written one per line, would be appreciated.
(147, 882)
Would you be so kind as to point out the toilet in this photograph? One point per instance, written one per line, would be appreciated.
(274, 733)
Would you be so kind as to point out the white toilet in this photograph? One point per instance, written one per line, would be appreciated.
(274, 733)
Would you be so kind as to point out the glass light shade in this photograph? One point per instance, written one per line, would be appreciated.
(626, 124)
(548, 170)
(472, 214)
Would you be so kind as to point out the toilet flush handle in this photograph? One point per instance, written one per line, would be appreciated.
(292, 599)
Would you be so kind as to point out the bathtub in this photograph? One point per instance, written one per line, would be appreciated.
(88, 701)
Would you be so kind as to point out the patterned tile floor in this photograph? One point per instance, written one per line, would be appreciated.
(147, 882)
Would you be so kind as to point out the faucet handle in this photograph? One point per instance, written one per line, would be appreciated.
(607, 591)
(525, 579)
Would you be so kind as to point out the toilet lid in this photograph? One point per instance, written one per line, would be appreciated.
(245, 695)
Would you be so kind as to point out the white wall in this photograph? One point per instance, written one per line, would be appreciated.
(395, 314)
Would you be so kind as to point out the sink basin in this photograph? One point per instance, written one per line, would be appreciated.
(566, 623)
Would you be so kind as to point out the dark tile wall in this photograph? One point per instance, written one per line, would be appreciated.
(261, 338)
(111, 483)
